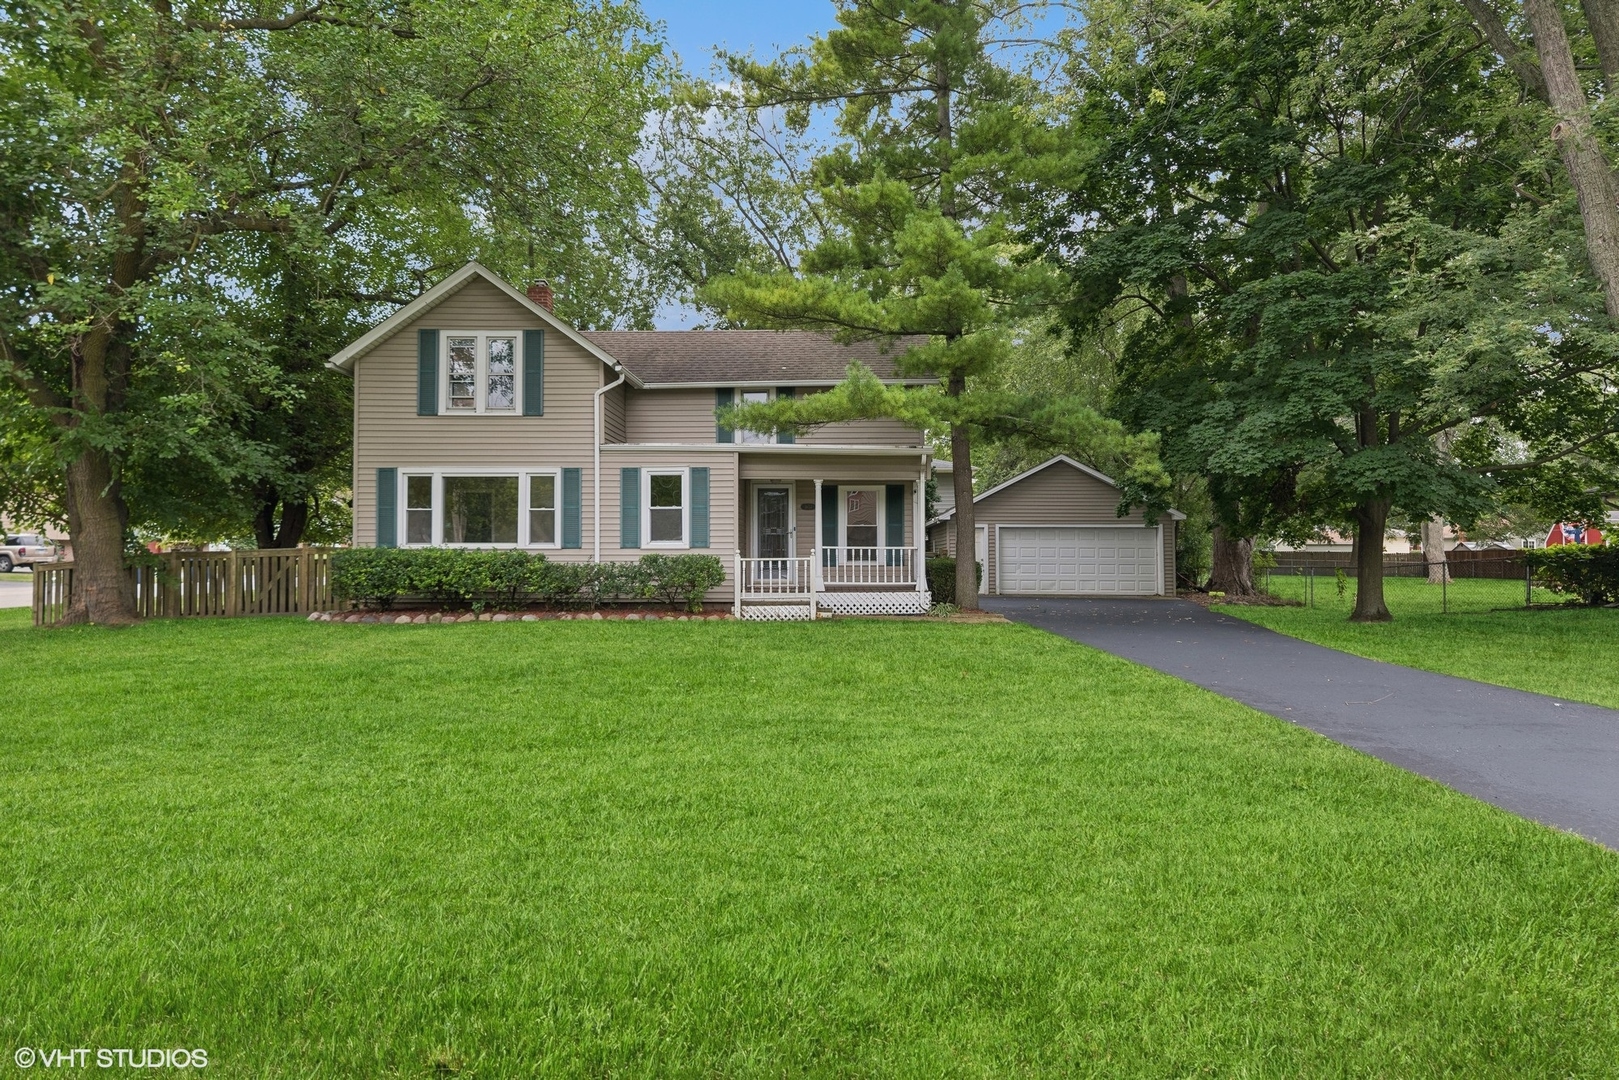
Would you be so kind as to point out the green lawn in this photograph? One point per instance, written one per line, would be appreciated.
(736, 850)
(1569, 653)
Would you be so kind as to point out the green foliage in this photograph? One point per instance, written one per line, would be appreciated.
(682, 580)
(1588, 571)
(1340, 304)
(198, 201)
(475, 578)
(941, 574)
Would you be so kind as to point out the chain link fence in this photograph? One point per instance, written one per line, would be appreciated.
(1470, 581)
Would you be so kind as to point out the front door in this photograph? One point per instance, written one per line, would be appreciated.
(775, 520)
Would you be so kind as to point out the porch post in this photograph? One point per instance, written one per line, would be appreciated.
(815, 568)
(921, 501)
(736, 593)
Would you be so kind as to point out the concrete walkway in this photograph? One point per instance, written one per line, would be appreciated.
(1554, 761)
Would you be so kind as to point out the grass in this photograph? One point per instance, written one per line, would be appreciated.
(1566, 652)
(736, 850)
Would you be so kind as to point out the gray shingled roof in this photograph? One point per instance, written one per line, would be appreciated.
(718, 357)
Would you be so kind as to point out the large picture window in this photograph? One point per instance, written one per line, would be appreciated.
(480, 509)
(481, 373)
(666, 508)
(454, 509)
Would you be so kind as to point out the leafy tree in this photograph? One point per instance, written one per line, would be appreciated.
(913, 247)
(1315, 206)
(142, 147)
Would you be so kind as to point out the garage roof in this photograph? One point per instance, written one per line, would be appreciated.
(1066, 460)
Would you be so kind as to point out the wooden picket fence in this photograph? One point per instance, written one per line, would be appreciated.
(218, 584)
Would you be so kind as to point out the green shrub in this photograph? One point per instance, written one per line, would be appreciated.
(1587, 571)
(942, 579)
(461, 577)
(681, 580)
(372, 577)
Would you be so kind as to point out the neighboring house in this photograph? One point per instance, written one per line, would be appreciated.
(481, 419)
(944, 486)
(1055, 530)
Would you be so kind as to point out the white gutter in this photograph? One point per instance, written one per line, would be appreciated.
(596, 471)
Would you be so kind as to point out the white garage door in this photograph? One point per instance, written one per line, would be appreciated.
(1058, 559)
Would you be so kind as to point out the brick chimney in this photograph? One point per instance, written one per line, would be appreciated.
(540, 292)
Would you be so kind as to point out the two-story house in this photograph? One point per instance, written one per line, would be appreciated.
(481, 419)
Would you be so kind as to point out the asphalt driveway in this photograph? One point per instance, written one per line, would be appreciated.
(16, 590)
(1554, 761)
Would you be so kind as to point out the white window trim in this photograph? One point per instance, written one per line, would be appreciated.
(481, 368)
(685, 508)
(523, 474)
(843, 513)
(524, 490)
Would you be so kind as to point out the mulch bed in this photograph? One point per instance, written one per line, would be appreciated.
(1203, 599)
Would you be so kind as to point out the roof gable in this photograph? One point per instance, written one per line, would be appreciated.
(343, 359)
(1064, 459)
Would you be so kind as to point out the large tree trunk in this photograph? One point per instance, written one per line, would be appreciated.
(1231, 564)
(1433, 551)
(961, 477)
(1576, 139)
(102, 592)
(1602, 16)
(1371, 525)
(294, 520)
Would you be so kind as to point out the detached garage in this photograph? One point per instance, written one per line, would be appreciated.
(1054, 530)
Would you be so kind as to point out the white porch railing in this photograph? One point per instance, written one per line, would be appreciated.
(868, 566)
(784, 582)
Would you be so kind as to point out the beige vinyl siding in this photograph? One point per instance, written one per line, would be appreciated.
(1059, 494)
(849, 468)
(670, 416)
(722, 502)
(863, 433)
(687, 416)
(614, 417)
(389, 434)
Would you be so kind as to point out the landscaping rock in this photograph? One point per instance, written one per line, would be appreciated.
(501, 616)
(435, 618)
(595, 614)
(368, 618)
(632, 617)
(468, 617)
(422, 619)
(314, 616)
(531, 618)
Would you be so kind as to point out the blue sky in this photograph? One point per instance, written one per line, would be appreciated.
(765, 26)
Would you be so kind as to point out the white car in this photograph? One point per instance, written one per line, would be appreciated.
(25, 549)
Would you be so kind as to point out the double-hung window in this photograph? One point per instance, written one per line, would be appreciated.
(485, 509)
(668, 505)
(480, 372)
(542, 510)
(754, 397)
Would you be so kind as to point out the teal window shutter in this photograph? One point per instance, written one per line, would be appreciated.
(533, 372)
(387, 508)
(829, 524)
(629, 508)
(785, 435)
(427, 373)
(699, 508)
(894, 525)
(571, 533)
(723, 397)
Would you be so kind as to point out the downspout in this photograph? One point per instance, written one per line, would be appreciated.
(596, 472)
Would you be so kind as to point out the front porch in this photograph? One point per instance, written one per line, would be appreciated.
(811, 547)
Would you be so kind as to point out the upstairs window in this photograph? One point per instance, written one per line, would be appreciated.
(481, 373)
(754, 397)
